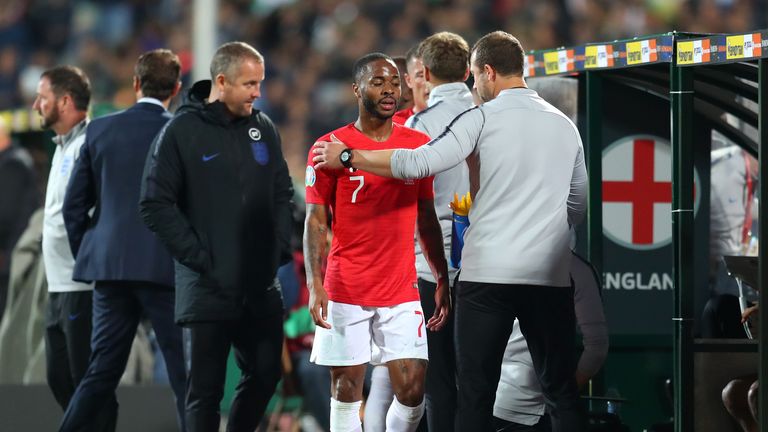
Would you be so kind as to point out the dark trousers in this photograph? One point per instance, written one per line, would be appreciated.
(257, 339)
(67, 342)
(440, 392)
(315, 386)
(500, 425)
(484, 316)
(118, 306)
(721, 318)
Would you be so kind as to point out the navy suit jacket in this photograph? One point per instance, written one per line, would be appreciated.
(114, 244)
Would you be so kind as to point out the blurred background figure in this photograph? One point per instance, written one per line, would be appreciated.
(733, 214)
(22, 346)
(405, 104)
(18, 199)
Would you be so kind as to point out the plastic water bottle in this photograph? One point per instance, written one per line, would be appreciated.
(458, 228)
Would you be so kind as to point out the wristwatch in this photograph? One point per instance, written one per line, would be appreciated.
(346, 157)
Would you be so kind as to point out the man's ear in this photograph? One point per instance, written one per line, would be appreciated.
(219, 81)
(427, 74)
(490, 71)
(64, 100)
(408, 81)
(466, 74)
(136, 84)
(176, 89)
(356, 90)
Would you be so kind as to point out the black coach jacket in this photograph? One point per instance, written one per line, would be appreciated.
(216, 191)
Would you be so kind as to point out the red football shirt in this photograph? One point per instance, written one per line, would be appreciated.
(402, 116)
(371, 262)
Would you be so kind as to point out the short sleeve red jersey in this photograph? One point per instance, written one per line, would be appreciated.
(371, 262)
(402, 116)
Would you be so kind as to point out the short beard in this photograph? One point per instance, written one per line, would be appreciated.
(53, 117)
(370, 106)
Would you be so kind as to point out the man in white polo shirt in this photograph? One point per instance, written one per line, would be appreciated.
(63, 95)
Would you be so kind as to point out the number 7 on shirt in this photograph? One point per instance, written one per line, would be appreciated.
(361, 179)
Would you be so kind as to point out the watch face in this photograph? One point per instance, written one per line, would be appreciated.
(344, 156)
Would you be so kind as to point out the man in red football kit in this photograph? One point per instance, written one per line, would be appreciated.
(369, 301)
(405, 103)
(416, 84)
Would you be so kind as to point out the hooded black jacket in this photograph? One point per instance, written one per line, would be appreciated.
(216, 191)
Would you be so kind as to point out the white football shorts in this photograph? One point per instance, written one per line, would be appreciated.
(361, 334)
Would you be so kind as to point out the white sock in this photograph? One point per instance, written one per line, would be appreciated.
(401, 418)
(379, 399)
(345, 416)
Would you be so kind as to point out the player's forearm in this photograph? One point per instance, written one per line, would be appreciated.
(431, 240)
(373, 161)
(315, 246)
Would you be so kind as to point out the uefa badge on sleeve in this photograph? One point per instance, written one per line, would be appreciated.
(309, 176)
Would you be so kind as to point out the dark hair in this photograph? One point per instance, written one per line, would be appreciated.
(72, 81)
(402, 65)
(359, 68)
(158, 72)
(446, 55)
(230, 56)
(501, 51)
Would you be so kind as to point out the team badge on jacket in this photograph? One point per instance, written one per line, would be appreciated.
(260, 152)
(254, 133)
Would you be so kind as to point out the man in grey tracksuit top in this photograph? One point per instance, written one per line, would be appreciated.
(446, 67)
(528, 182)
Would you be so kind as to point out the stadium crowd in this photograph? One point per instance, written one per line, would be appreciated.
(309, 44)
(307, 49)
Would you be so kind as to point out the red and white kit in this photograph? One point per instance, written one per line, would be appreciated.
(371, 277)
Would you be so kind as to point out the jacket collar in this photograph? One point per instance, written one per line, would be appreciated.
(148, 107)
(195, 98)
(73, 133)
(150, 102)
(454, 90)
(219, 113)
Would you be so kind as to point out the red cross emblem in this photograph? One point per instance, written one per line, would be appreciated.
(637, 192)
